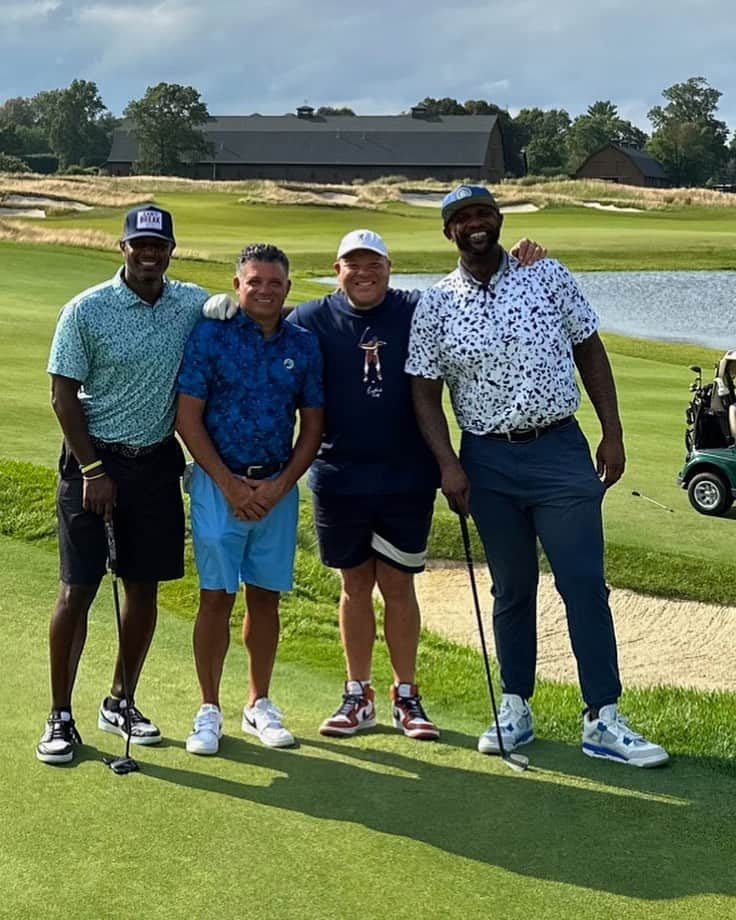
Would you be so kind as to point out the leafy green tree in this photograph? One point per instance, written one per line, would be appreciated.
(444, 106)
(331, 110)
(73, 118)
(10, 163)
(599, 126)
(166, 123)
(17, 112)
(688, 140)
(543, 134)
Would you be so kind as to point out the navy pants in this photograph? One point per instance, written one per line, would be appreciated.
(547, 489)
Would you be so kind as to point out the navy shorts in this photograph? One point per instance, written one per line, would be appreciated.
(354, 528)
(148, 518)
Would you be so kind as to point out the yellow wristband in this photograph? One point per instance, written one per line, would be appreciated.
(90, 466)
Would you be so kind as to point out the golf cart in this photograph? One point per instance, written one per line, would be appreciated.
(709, 473)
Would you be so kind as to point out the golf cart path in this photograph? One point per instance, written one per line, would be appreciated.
(660, 641)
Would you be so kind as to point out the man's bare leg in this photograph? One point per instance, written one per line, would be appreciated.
(358, 619)
(261, 638)
(67, 635)
(211, 640)
(401, 624)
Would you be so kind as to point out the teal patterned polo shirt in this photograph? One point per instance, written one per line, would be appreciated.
(126, 354)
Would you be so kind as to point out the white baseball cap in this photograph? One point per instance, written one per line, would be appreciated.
(361, 239)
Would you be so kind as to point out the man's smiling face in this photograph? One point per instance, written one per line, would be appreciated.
(146, 259)
(363, 275)
(475, 229)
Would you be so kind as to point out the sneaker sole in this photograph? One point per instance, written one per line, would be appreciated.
(602, 754)
(495, 752)
(418, 734)
(55, 758)
(337, 731)
(202, 752)
(252, 730)
(105, 726)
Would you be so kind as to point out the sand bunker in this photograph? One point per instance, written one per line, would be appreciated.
(22, 212)
(434, 200)
(610, 207)
(660, 641)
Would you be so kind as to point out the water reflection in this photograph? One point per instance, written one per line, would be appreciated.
(672, 306)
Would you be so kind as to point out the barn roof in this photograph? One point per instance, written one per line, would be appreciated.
(386, 140)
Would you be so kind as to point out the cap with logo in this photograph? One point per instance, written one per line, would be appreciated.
(361, 239)
(462, 197)
(148, 220)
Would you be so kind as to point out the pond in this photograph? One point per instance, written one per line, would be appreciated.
(672, 306)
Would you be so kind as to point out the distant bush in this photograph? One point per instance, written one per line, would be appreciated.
(82, 171)
(11, 164)
(44, 163)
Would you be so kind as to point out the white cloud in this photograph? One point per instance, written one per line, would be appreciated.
(20, 12)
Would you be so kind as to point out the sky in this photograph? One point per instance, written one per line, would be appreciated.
(377, 57)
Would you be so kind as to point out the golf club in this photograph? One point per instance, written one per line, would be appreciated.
(518, 762)
(658, 504)
(126, 764)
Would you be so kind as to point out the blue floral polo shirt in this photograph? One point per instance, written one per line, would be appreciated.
(252, 386)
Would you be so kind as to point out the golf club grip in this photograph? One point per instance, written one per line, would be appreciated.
(112, 550)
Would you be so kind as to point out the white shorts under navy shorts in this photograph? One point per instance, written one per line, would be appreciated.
(354, 528)
(230, 552)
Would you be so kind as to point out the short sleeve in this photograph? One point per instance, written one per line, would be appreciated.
(580, 319)
(425, 336)
(69, 356)
(195, 372)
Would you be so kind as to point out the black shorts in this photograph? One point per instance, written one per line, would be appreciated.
(148, 518)
(354, 528)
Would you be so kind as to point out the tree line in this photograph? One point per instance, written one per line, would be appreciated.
(70, 130)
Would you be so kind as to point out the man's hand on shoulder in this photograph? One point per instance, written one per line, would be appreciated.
(527, 252)
(220, 306)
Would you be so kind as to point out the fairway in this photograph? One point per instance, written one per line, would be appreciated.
(267, 833)
(375, 826)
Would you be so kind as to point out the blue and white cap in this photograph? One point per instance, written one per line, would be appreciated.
(361, 239)
(148, 220)
(462, 197)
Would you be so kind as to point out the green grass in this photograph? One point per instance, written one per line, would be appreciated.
(217, 224)
(266, 833)
(275, 833)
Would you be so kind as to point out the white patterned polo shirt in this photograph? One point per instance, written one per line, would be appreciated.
(505, 348)
(126, 353)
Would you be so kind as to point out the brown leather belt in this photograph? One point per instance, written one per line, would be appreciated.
(527, 434)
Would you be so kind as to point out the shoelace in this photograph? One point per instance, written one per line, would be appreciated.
(63, 730)
(349, 702)
(271, 714)
(208, 722)
(623, 723)
(413, 705)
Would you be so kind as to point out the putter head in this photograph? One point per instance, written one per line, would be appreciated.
(518, 762)
(121, 765)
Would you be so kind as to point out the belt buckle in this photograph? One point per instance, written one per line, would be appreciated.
(250, 470)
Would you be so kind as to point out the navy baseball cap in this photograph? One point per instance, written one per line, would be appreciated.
(148, 220)
(462, 197)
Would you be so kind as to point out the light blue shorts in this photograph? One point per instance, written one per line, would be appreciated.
(229, 552)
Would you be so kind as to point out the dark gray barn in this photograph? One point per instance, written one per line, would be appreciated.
(332, 148)
(626, 165)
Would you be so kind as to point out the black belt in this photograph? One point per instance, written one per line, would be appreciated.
(258, 470)
(127, 450)
(527, 434)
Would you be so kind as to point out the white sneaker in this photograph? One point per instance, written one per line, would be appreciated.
(515, 721)
(263, 719)
(206, 731)
(610, 737)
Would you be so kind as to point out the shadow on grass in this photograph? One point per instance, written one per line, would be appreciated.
(647, 834)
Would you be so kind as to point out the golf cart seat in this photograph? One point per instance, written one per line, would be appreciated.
(724, 392)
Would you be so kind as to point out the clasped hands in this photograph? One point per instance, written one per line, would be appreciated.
(252, 499)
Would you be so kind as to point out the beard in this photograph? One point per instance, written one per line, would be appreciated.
(478, 243)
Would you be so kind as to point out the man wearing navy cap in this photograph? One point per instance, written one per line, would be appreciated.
(507, 343)
(113, 364)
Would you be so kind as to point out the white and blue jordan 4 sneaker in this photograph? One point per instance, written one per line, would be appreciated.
(610, 737)
(515, 721)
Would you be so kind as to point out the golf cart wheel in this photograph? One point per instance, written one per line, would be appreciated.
(709, 494)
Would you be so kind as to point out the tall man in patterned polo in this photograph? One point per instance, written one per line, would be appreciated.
(113, 364)
(507, 343)
(241, 384)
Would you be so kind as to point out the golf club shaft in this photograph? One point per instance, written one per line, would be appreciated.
(481, 632)
(113, 563)
(648, 499)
